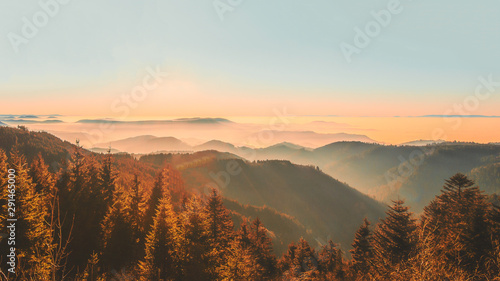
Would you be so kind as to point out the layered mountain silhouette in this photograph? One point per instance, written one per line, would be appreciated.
(315, 192)
(383, 171)
(292, 200)
(147, 144)
(196, 120)
(152, 144)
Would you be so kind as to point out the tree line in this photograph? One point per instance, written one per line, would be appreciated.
(81, 224)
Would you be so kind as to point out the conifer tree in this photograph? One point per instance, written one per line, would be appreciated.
(241, 264)
(42, 178)
(494, 221)
(135, 215)
(196, 258)
(79, 177)
(162, 246)
(362, 252)
(220, 231)
(157, 193)
(82, 207)
(33, 239)
(395, 238)
(331, 263)
(3, 206)
(262, 249)
(299, 261)
(117, 236)
(107, 178)
(455, 222)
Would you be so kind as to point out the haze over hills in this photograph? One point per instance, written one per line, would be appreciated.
(195, 120)
(145, 144)
(415, 172)
(316, 200)
(309, 138)
(422, 142)
(301, 201)
(150, 144)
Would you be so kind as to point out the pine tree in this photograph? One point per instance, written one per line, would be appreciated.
(494, 256)
(241, 265)
(79, 177)
(157, 194)
(107, 178)
(362, 252)
(262, 249)
(220, 231)
(3, 206)
(395, 238)
(299, 261)
(82, 206)
(42, 178)
(117, 237)
(456, 224)
(135, 216)
(494, 221)
(195, 243)
(162, 246)
(33, 239)
(331, 263)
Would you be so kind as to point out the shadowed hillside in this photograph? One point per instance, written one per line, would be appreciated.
(322, 204)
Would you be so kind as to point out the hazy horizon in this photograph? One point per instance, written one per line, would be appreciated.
(254, 131)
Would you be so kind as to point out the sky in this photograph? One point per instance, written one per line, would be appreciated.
(91, 57)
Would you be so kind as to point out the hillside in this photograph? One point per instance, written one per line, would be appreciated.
(414, 172)
(384, 171)
(147, 144)
(325, 206)
(301, 201)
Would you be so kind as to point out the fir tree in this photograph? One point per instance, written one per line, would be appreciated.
(3, 206)
(157, 194)
(362, 252)
(33, 239)
(241, 265)
(262, 249)
(331, 263)
(195, 243)
(135, 216)
(42, 178)
(117, 237)
(107, 178)
(220, 231)
(455, 222)
(395, 238)
(162, 246)
(299, 261)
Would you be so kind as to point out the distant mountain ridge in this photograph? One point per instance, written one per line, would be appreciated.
(300, 200)
(423, 142)
(156, 122)
(145, 144)
(151, 144)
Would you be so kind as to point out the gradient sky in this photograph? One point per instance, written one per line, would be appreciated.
(263, 55)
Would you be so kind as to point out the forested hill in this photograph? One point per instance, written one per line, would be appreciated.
(322, 207)
(57, 155)
(30, 144)
(108, 217)
(325, 206)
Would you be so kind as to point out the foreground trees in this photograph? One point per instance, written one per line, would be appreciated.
(81, 223)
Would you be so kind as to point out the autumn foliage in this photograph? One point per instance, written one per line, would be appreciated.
(92, 220)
